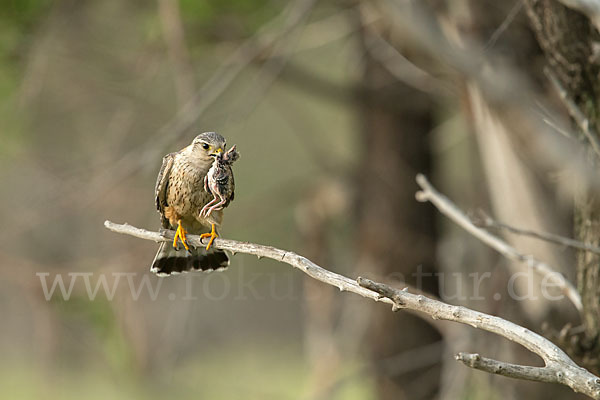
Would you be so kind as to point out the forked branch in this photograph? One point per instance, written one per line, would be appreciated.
(450, 210)
(559, 368)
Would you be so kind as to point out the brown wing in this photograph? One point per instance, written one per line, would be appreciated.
(162, 184)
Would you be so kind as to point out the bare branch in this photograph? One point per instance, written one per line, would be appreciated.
(508, 92)
(540, 374)
(288, 257)
(401, 67)
(486, 221)
(578, 116)
(449, 209)
(512, 14)
(559, 368)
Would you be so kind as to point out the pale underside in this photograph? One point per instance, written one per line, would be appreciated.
(180, 193)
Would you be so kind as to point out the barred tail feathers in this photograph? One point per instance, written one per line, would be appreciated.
(169, 261)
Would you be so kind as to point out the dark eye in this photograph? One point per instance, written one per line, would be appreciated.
(205, 146)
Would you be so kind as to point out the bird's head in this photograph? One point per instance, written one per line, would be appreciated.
(208, 144)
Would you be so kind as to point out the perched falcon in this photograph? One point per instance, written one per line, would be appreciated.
(180, 196)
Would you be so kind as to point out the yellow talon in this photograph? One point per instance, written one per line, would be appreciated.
(212, 235)
(180, 233)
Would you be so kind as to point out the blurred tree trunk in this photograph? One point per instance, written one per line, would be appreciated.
(518, 193)
(396, 234)
(321, 305)
(567, 39)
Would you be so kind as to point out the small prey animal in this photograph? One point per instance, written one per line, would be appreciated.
(219, 182)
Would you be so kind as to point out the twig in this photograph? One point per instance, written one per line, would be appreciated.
(449, 209)
(507, 90)
(559, 368)
(272, 67)
(486, 221)
(575, 112)
(557, 128)
(401, 67)
(541, 374)
(510, 17)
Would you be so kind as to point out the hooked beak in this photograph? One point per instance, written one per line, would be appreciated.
(217, 151)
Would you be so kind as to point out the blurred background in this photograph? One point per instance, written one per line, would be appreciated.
(335, 106)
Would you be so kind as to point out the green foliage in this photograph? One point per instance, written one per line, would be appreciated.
(18, 19)
(22, 12)
(100, 318)
(220, 17)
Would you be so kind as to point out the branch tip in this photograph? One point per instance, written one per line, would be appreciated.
(421, 196)
(556, 360)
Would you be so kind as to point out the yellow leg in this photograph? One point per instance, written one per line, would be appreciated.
(176, 237)
(180, 233)
(212, 235)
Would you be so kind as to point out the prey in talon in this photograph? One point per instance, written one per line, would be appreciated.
(220, 183)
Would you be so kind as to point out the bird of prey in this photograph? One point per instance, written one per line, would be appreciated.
(219, 182)
(180, 196)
